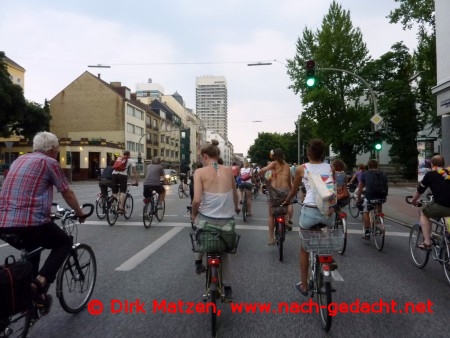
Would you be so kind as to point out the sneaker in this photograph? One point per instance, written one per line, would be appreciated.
(199, 268)
(366, 234)
(228, 294)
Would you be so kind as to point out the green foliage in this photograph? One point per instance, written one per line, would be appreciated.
(17, 115)
(334, 103)
(259, 151)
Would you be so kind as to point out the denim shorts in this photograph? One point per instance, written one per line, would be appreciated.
(310, 217)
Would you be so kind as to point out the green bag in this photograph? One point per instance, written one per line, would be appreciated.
(212, 238)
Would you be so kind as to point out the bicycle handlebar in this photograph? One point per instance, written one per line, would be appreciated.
(69, 213)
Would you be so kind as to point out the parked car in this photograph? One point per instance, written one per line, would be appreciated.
(170, 177)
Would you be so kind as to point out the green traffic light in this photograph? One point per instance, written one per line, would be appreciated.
(378, 146)
(310, 82)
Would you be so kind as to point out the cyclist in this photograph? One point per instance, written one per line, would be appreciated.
(246, 178)
(357, 177)
(25, 207)
(340, 178)
(106, 179)
(438, 180)
(310, 215)
(152, 180)
(215, 201)
(375, 183)
(280, 180)
(185, 172)
(120, 179)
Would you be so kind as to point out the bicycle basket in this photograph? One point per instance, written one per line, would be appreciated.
(214, 242)
(324, 241)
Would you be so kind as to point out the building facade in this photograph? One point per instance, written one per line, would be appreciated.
(211, 103)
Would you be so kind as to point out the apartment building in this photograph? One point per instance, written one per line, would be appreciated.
(16, 72)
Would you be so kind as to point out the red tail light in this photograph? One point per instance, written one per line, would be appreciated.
(214, 261)
(326, 259)
(280, 219)
(381, 214)
(146, 200)
(326, 267)
(214, 279)
(342, 214)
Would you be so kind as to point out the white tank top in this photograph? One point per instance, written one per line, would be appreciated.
(217, 205)
(324, 170)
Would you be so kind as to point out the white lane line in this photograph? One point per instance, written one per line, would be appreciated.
(146, 252)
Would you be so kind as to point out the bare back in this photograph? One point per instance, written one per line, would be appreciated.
(281, 175)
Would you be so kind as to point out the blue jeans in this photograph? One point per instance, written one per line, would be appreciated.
(310, 217)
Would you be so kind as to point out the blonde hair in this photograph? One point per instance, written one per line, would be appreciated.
(211, 149)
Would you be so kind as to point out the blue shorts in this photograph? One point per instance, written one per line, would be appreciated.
(310, 217)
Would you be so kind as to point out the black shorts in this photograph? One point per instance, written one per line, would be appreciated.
(159, 188)
(119, 181)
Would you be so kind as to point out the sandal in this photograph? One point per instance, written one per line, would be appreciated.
(271, 243)
(299, 288)
(424, 246)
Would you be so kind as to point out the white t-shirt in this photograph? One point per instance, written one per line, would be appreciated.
(130, 163)
(324, 170)
(245, 171)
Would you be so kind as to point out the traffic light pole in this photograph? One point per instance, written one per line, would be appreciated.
(374, 98)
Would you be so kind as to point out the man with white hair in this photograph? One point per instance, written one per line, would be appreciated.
(152, 180)
(25, 207)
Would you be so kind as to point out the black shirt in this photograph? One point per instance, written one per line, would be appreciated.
(107, 173)
(439, 186)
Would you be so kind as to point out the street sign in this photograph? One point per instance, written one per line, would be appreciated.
(376, 119)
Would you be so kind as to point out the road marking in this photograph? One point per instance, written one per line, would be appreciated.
(146, 252)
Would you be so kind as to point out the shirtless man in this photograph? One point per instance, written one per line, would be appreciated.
(280, 180)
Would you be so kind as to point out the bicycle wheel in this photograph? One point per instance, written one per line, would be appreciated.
(213, 296)
(147, 215)
(111, 214)
(244, 208)
(160, 210)
(354, 211)
(379, 232)
(419, 256)
(101, 207)
(446, 262)
(341, 224)
(75, 281)
(180, 191)
(280, 242)
(129, 203)
(324, 299)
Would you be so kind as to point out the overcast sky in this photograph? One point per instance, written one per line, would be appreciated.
(174, 41)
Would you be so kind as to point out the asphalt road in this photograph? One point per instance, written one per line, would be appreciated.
(156, 265)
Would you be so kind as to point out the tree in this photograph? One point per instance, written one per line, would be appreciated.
(391, 75)
(335, 101)
(265, 142)
(17, 115)
(422, 13)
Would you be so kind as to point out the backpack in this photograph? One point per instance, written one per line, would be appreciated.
(324, 191)
(378, 185)
(120, 164)
(342, 192)
(15, 287)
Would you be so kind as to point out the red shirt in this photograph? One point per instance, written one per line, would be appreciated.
(27, 192)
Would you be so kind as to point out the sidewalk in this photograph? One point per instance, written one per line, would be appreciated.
(398, 210)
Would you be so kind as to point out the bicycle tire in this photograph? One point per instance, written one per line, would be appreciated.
(244, 208)
(147, 215)
(180, 191)
(76, 279)
(324, 299)
(378, 232)
(354, 211)
(446, 262)
(129, 204)
(213, 299)
(280, 234)
(111, 215)
(101, 207)
(420, 257)
(341, 224)
(159, 213)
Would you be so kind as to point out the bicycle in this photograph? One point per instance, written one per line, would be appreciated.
(113, 207)
(319, 242)
(279, 226)
(244, 208)
(352, 205)
(214, 243)
(101, 204)
(376, 227)
(340, 223)
(440, 240)
(181, 189)
(189, 210)
(75, 280)
(152, 208)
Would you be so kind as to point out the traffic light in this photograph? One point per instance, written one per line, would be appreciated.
(377, 141)
(310, 73)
